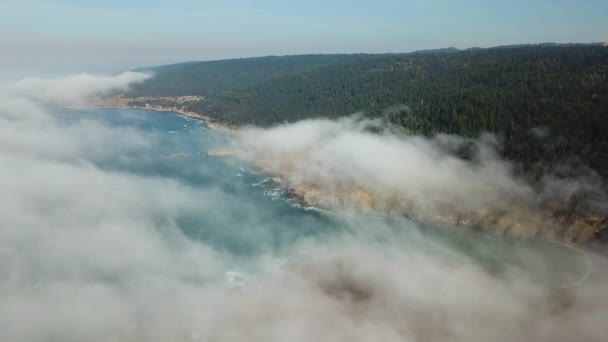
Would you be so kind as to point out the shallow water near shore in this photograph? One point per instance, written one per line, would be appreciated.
(120, 227)
(256, 218)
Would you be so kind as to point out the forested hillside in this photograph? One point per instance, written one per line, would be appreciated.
(216, 78)
(549, 103)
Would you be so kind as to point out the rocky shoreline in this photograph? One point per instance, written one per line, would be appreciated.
(513, 221)
(176, 104)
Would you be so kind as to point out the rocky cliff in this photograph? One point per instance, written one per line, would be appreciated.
(513, 220)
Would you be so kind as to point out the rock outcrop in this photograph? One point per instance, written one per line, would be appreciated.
(513, 221)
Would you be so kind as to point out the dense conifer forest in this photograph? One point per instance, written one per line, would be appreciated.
(547, 103)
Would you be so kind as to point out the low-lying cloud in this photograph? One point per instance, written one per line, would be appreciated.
(330, 153)
(360, 162)
(89, 253)
(75, 90)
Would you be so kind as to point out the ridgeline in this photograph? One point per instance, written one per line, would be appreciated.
(548, 102)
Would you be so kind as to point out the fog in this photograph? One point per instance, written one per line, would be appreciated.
(345, 152)
(76, 89)
(429, 175)
(90, 253)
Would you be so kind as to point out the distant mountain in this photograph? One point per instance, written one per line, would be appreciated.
(443, 50)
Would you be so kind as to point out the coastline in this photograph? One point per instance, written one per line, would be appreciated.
(177, 106)
(513, 221)
(211, 124)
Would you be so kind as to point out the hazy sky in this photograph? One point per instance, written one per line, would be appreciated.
(73, 35)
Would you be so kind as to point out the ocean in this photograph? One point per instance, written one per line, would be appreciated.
(121, 228)
(251, 215)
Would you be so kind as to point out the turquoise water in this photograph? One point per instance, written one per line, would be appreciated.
(118, 227)
(249, 217)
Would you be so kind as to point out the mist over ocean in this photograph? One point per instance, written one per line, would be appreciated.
(162, 241)
(248, 214)
(117, 226)
(303, 171)
(240, 211)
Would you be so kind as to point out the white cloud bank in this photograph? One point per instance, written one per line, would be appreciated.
(75, 89)
(422, 176)
(91, 254)
(345, 152)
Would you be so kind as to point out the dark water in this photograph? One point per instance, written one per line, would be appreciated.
(249, 216)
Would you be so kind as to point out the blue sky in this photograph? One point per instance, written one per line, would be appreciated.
(58, 34)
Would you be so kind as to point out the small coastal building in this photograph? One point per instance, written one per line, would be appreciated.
(606, 43)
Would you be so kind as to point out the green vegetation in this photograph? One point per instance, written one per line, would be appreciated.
(548, 103)
(217, 78)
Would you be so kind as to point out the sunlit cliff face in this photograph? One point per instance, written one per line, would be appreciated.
(367, 165)
(89, 253)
